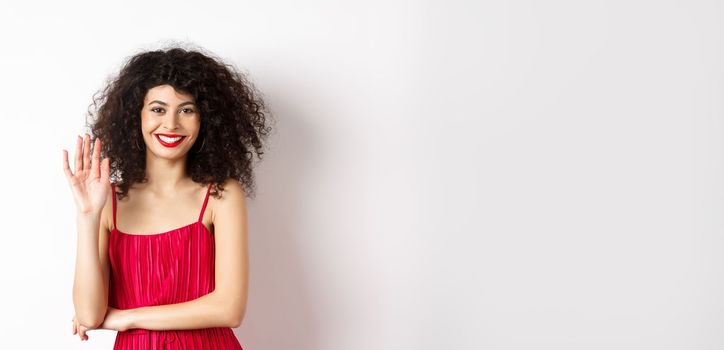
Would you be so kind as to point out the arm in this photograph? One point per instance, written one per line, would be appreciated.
(206, 311)
(90, 286)
(226, 305)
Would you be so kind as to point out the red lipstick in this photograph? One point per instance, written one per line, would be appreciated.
(169, 144)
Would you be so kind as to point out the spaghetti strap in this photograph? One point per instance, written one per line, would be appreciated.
(206, 200)
(113, 191)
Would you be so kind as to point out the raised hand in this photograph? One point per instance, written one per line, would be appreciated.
(90, 183)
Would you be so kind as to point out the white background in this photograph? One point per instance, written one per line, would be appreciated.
(443, 175)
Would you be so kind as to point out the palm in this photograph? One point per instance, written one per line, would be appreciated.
(90, 181)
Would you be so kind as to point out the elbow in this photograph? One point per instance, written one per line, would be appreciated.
(235, 324)
(231, 310)
(234, 319)
(90, 321)
(89, 314)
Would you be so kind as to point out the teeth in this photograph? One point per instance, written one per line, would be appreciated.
(169, 139)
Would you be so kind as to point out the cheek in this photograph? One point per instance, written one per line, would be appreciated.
(145, 122)
(148, 123)
(193, 126)
(146, 129)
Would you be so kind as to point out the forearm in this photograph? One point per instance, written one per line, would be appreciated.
(206, 311)
(89, 297)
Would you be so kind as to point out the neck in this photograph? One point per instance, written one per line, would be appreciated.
(165, 175)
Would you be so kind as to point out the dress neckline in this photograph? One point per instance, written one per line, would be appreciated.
(162, 233)
(198, 221)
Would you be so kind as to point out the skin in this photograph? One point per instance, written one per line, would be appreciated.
(165, 110)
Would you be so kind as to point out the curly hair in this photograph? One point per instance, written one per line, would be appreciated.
(234, 118)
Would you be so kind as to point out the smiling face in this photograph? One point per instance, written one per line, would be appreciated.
(170, 122)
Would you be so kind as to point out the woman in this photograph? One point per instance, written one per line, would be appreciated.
(174, 139)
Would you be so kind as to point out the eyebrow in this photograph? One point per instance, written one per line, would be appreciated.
(166, 104)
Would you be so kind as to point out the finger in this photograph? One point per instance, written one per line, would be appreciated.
(95, 172)
(66, 166)
(82, 334)
(105, 170)
(86, 153)
(78, 164)
(75, 328)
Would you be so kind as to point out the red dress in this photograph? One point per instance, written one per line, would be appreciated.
(164, 268)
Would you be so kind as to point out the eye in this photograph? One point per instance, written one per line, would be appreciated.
(188, 110)
(156, 109)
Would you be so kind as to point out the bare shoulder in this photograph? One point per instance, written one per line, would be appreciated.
(229, 212)
(233, 197)
(233, 190)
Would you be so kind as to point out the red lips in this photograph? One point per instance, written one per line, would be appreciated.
(169, 144)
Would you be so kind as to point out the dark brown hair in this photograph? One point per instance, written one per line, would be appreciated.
(234, 118)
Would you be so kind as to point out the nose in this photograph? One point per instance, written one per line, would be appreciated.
(170, 121)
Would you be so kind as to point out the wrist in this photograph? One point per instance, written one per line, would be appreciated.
(89, 216)
(131, 318)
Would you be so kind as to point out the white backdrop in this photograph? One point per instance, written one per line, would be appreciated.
(443, 175)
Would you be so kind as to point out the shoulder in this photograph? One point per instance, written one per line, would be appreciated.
(232, 196)
(232, 189)
(231, 207)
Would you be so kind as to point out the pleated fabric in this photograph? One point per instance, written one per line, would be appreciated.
(164, 268)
